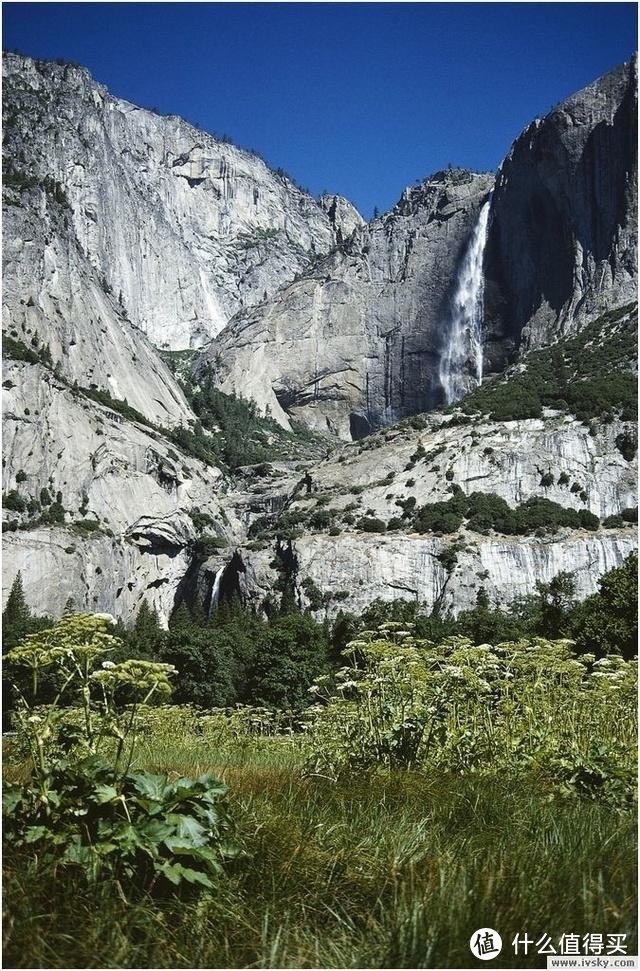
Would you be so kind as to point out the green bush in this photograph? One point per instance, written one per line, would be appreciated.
(615, 521)
(370, 524)
(485, 511)
(406, 701)
(589, 375)
(87, 526)
(83, 809)
(627, 445)
(207, 545)
(14, 501)
(321, 519)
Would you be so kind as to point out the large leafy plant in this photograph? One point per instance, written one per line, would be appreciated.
(82, 805)
(527, 704)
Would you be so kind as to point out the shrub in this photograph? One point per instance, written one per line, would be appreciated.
(403, 700)
(486, 511)
(321, 519)
(588, 520)
(83, 808)
(208, 545)
(448, 557)
(14, 501)
(613, 521)
(627, 445)
(370, 524)
(87, 526)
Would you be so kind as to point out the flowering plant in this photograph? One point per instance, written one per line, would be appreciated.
(83, 805)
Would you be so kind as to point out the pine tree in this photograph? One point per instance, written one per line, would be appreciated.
(147, 632)
(69, 607)
(181, 617)
(16, 616)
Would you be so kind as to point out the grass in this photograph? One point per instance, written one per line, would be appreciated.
(382, 871)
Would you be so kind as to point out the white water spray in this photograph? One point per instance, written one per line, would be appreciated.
(462, 357)
(215, 592)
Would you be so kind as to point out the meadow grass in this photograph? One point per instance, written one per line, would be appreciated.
(381, 870)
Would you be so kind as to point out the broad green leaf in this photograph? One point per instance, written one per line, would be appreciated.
(176, 872)
(189, 829)
(149, 785)
(104, 793)
(77, 853)
(34, 833)
(156, 829)
(212, 784)
(11, 799)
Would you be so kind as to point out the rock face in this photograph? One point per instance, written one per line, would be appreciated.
(53, 297)
(135, 491)
(124, 228)
(563, 239)
(507, 459)
(185, 229)
(361, 568)
(355, 343)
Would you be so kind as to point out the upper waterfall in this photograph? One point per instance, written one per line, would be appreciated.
(462, 356)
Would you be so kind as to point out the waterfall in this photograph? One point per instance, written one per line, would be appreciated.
(215, 591)
(462, 356)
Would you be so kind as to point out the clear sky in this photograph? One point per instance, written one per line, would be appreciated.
(360, 99)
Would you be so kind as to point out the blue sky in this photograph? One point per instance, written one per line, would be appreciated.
(360, 99)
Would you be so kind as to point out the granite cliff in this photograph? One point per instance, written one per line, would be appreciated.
(131, 238)
(182, 227)
(356, 343)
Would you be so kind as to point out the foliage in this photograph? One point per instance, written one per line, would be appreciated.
(146, 636)
(291, 654)
(370, 524)
(16, 616)
(13, 501)
(86, 809)
(482, 511)
(205, 665)
(207, 545)
(230, 429)
(589, 375)
(627, 445)
(122, 407)
(137, 827)
(403, 700)
(17, 623)
(607, 622)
